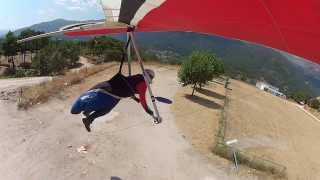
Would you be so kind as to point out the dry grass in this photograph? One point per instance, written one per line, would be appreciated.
(42, 92)
(198, 116)
(275, 129)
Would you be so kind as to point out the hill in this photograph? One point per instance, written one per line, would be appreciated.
(48, 26)
(242, 59)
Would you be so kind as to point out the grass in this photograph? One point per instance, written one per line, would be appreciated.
(41, 93)
(225, 151)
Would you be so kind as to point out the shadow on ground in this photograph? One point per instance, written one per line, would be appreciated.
(210, 93)
(163, 100)
(204, 102)
(115, 178)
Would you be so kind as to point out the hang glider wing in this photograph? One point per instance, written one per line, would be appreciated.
(82, 29)
(289, 25)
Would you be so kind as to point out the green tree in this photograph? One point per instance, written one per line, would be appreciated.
(314, 103)
(106, 48)
(200, 68)
(219, 66)
(55, 58)
(70, 51)
(34, 45)
(10, 48)
(300, 96)
(1, 49)
(26, 46)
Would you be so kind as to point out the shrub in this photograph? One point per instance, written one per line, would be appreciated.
(300, 97)
(314, 103)
(54, 59)
(24, 73)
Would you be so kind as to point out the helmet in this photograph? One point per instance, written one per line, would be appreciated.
(150, 73)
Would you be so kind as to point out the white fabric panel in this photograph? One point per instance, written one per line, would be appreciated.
(148, 6)
(111, 9)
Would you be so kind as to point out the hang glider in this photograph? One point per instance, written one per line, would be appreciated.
(289, 25)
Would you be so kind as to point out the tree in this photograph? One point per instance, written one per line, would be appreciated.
(10, 48)
(70, 51)
(1, 49)
(27, 46)
(314, 103)
(300, 96)
(200, 68)
(34, 45)
(55, 58)
(106, 48)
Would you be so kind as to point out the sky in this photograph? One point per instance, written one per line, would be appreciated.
(15, 14)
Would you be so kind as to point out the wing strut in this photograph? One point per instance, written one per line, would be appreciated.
(157, 118)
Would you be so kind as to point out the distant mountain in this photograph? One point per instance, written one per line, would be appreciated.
(255, 62)
(252, 61)
(48, 26)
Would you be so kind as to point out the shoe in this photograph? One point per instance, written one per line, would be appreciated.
(86, 123)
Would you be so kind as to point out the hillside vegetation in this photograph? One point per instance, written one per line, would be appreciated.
(53, 57)
(243, 60)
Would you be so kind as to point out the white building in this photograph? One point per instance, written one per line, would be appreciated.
(269, 88)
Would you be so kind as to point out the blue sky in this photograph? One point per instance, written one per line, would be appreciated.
(16, 14)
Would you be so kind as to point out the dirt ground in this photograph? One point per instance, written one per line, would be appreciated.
(275, 129)
(47, 142)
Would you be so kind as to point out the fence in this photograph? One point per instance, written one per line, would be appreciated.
(222, 149)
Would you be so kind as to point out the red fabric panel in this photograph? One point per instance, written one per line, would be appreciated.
(289, 25)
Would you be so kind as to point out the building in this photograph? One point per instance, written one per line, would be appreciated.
(269, 88)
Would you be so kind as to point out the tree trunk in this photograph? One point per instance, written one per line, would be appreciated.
(24, 57)
(194, 87)
(13, 64)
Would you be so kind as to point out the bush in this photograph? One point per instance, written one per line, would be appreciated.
(200, 68)
(300, 97)
(112, 55)
(54, 59)
(314, 103)
(24, 73)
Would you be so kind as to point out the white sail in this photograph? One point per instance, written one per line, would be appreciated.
(111, 9)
